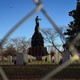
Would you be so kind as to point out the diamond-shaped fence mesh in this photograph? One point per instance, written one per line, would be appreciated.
(39, 7)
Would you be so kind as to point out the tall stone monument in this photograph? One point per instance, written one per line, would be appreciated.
(37, 48)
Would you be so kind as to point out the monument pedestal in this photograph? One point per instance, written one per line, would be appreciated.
(38, 52)
(39, 58)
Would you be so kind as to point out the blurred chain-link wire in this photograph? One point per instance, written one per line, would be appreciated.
(39, 7)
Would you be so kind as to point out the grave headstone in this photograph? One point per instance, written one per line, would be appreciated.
(19, 59)
(65, 56)
(49, 58)
(57, 58)
(25, 57)
(9, 58)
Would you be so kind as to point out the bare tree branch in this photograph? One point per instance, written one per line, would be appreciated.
(50, 35)
(21, 43)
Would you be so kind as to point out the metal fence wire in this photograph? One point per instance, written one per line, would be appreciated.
(39, 7)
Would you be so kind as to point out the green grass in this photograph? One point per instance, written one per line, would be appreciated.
(41, 62)
(32, 62)
(6, 63)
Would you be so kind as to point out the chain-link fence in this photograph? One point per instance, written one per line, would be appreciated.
(39, 7)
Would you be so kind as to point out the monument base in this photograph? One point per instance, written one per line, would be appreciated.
(39, 58)
(38, 52)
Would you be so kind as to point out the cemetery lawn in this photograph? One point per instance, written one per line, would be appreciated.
(41, 62)
(6, 63)
(36, 72)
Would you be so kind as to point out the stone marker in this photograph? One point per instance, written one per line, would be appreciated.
(19, 59)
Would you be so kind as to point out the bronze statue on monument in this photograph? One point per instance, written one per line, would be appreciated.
(37, 20)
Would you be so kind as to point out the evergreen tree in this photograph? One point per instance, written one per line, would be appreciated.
(74, 26)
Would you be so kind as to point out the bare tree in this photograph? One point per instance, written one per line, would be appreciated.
(63, 29)
(50, 35)
(10, 50)
(21, 43)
